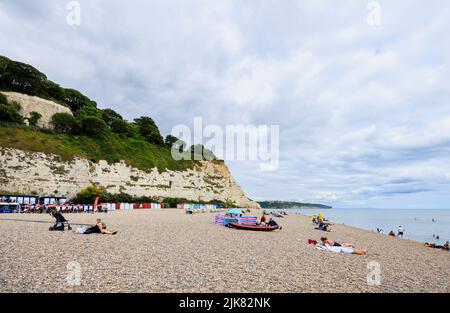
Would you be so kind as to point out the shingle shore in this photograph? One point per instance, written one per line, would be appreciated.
(169, 251)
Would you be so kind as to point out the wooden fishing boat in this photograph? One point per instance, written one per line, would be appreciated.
(254, 227)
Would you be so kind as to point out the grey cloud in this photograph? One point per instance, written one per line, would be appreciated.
(362, 110)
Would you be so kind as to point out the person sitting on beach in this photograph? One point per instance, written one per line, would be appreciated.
(323, 226)
(99, 228)
(391, 233)
(320, 218)
(326, 241)
(273, 223)
(263, 219)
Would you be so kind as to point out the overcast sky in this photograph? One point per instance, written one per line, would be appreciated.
(363, 110)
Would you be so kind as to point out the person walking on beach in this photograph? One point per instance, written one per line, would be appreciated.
(400, 231)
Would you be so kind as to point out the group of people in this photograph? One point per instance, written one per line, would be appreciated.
(279, 214)
(400, 232)
(330, 245)
(66, 208)
(321, 222)
(266, 220)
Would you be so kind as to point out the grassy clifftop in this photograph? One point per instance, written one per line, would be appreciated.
(112, 148)
(91, 132)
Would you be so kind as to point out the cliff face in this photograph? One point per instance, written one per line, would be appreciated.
(28, 167)
(44, 174)
(29, 104)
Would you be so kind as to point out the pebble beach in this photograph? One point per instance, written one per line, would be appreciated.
(162, 251)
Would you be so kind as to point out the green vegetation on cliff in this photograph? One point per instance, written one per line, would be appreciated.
(91, 133)
(110, 147)
(89, 194)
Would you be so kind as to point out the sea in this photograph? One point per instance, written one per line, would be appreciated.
(419, 224)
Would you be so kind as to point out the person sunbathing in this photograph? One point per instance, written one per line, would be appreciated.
(338, 249)
(99, 228)
(446, 246)
(326, 241)
(346, 250)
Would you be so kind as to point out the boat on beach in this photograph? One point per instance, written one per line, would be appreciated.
(254, 227)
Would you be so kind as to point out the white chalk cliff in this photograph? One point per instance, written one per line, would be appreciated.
(29, 104)
(46, 174)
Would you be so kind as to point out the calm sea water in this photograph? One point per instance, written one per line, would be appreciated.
(418, 224)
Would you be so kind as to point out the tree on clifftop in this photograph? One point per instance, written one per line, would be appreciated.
(93, 126)
(65, 123)
(123, 128)
(149, 130)
(174, 142)
(110, 116)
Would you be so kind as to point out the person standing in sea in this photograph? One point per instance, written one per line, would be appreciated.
(400, 231)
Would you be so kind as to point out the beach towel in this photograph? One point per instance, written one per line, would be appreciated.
(81, 230)
(335, 249)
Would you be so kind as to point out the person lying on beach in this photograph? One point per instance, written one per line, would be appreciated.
(446, 246)
(99, 228)
(391, 233)
(346, 250)
(326, 241)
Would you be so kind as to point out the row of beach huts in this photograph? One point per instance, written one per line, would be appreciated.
(32, 204)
